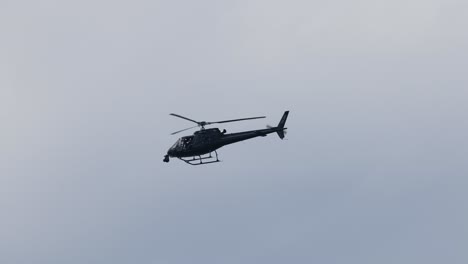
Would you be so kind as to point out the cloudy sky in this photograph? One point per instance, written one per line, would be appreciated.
(374, 168)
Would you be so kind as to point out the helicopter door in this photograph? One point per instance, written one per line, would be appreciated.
(187, 142)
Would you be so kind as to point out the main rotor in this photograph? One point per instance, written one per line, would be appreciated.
(202, 124)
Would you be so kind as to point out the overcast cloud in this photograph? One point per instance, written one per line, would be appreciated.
(374, 168)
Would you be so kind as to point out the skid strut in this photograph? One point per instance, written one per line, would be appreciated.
(200, 160)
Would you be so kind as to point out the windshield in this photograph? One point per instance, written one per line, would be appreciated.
(178, 142)
(183, 143)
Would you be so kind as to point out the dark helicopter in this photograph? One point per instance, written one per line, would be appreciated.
(205, 141)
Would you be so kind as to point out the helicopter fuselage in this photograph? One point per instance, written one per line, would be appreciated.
(208, 140)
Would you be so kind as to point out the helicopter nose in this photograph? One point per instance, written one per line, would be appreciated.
(171, 152)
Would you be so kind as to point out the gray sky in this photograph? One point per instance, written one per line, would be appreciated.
(374, 169)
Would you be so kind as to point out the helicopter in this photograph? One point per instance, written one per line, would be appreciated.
(197, 149)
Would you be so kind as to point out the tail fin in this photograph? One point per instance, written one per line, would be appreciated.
(281, 125)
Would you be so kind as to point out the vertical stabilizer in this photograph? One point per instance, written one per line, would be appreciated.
(281, 125)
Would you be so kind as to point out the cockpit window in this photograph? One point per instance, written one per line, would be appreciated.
(175, 144)
(186, 141)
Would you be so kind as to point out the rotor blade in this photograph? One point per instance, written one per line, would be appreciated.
(235, 120)
(183, 130)
(183, 117)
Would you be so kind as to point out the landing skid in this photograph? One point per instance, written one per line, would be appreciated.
(200, 160)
